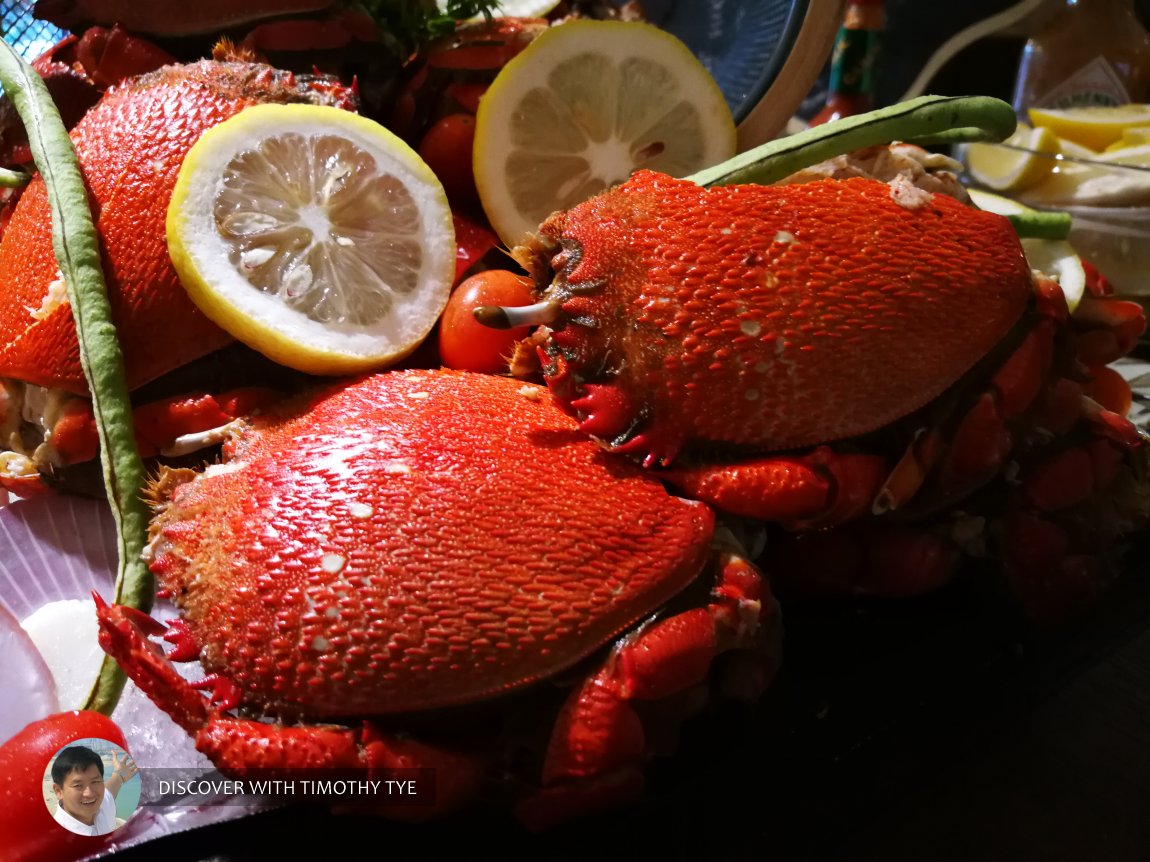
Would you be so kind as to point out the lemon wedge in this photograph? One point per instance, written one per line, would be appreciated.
(585, 105)
(313, 235)
(1135, 137)
(1136, 156)
(1005, 169)
(1096, 127)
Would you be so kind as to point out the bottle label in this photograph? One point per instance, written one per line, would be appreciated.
(1096, 83)
(852, 63)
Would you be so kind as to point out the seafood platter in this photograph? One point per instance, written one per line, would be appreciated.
(416, 394)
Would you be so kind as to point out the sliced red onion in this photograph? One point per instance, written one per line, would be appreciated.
(29, 692)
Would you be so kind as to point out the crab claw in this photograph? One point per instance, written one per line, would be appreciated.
(237, 744)
(124, 636)
(224, 692)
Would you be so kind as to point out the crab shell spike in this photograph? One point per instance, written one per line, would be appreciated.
(770, 317)
(130, 146)
(372, 552)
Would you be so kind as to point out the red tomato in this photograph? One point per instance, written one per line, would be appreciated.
(464, 342)
(28, 830)
(446, 147)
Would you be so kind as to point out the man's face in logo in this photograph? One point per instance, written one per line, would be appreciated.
(82, 793)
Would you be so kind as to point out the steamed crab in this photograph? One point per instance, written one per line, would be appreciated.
(815, 353)
(414, 542)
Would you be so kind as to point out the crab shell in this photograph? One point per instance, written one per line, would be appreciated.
(416, 540)
(130, 147)
(767, 317)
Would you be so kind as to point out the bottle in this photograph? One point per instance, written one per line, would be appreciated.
(1092, 52)
(851, 86)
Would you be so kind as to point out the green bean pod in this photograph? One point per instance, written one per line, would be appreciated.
(925, 120)
(77, 248)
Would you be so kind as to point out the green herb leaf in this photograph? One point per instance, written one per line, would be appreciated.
(76, 243)
(416, 22)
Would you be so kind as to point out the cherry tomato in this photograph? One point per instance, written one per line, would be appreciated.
(446, 147)
(28, 830)
(464, 342)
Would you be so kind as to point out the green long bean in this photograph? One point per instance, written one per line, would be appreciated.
(77, 248)
(927, 119)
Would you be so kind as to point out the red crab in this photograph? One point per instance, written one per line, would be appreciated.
(130, 146)
(414, 542)
(813, 354)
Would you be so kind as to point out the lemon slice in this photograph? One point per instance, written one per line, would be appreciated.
(512, 8)
(585, 105)
(1096, 127)
(313, 235)
(1004, 169)
(1137, 156)
(1136, 137)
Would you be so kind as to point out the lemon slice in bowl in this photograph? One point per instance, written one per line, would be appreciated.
(584, 106)
(313, 235)
(1093, 126)
(1008, 169)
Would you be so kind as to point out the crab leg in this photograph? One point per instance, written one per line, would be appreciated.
(593, 759)
(237, 744)
(820, 488)
(160, 426)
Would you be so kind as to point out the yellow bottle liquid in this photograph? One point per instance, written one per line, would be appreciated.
(1092, 52)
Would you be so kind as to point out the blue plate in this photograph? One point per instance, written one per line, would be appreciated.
(742, 43)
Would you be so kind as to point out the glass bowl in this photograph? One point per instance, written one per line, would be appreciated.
(1117, 241)
(1109, 204)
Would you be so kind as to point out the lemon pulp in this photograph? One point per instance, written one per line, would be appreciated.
(1005, 169)
(314, 236)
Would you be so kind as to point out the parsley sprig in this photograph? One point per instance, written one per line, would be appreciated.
(416, 22)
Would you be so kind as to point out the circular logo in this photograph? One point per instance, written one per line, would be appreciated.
(91, 786)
